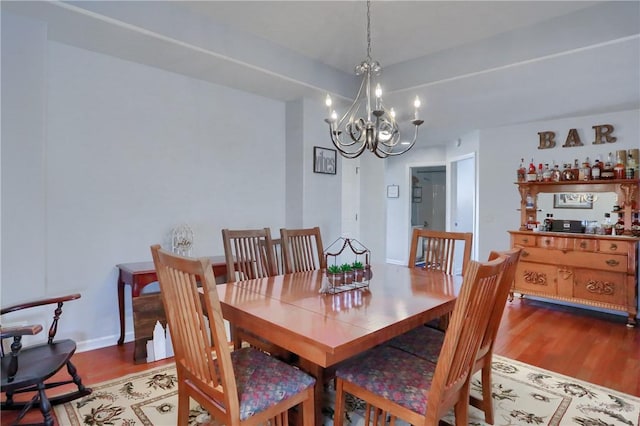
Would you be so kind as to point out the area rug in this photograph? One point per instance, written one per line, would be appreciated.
(522, 394)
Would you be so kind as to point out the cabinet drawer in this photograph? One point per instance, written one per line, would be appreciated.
(520, 240)
(584, 244)
(613, 247)
(536, 278)
(559, 243)
(604, 287)
(602, 261)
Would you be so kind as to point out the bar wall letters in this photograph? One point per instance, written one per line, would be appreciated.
(603, 133)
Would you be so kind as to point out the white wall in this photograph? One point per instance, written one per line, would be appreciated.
(23, 178)
(103, 157)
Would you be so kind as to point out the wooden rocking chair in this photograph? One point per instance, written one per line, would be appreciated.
(29, 369)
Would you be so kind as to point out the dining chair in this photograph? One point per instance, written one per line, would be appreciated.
(398, 384)
(302, 249)
(426, 342)
(28, 370)
(437, 249)
(247, 253)
(243, 387)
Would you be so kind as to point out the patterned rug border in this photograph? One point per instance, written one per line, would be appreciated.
(68, 416)
(160, 368)
(635, 398)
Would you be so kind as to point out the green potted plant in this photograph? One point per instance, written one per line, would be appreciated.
(348, 273)
(335, 275)
(358, 271)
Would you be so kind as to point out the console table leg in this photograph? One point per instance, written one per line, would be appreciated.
(121, 309)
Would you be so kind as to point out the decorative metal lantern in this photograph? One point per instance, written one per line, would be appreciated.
(346, 270)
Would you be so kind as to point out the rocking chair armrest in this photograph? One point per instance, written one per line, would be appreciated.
(40, 302)
(24, 330)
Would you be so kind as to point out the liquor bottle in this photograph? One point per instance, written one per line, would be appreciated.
(529, 204)
(619, 226)
(585, 170)
(631, 167)
(532, 176)
(607, 226)
(618, 169)
(567, 173)
(522, 172)
(548, 222)
(546, 173)
(532, 224)
(596, 170)
(635, 225)
(607, 169)
(556, 174)
(575, 170)
(540, 174)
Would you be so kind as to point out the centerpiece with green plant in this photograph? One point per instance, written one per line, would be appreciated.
(348, 273)
(335, 275)
(358, 271)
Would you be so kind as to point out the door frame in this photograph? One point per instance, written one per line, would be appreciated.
(452, 183)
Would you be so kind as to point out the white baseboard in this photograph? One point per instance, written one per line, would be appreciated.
(102, 342)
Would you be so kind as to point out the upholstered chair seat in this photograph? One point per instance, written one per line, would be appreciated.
(392, 374)
(425, 342)
(264, 381)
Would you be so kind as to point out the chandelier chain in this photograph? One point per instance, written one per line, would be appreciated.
(369, 30)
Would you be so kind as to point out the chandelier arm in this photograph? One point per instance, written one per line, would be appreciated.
(415, 137)
(340, 147)
(355, 106)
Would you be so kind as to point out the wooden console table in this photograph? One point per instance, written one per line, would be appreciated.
(140, 274)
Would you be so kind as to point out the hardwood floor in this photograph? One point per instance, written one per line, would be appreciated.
(590, 346)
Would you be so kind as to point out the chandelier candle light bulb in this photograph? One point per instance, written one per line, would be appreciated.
(378, 95)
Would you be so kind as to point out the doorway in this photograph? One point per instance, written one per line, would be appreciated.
(429, 197)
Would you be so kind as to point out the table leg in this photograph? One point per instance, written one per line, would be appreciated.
(317, 372)
(121, 308)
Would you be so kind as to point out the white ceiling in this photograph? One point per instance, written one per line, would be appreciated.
(334, 32)
(475, 64)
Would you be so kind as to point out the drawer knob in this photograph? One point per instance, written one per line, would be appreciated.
(525, 240)
(613, 247)
(524, 254)
(547, 241)
(583, 244)
(612, 262)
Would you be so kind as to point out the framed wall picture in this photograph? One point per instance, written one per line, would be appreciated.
(324, 160)
(393, 191)
(573, 200)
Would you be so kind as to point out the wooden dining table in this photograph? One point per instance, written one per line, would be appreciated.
(324, 329)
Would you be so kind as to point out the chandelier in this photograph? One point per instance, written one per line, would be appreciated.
(377, 131)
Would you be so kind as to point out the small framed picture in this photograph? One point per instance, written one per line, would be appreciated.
(324, 160)
(573, 200)
(393, 191)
